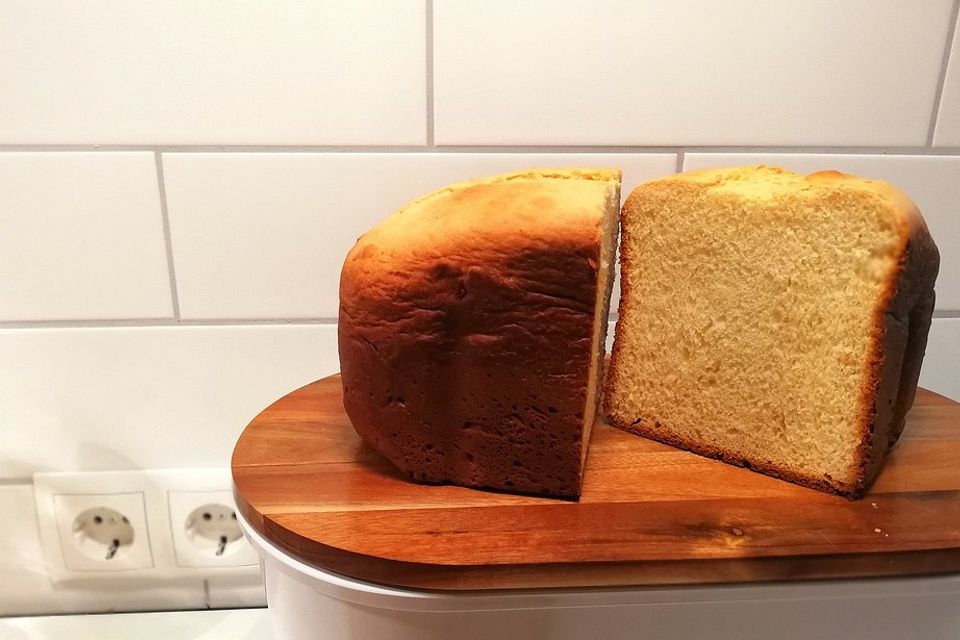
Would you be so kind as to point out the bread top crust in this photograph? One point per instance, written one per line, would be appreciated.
(771, 183)
(481, 221)
(765, 182)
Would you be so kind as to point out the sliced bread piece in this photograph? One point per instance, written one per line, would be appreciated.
(772, 320)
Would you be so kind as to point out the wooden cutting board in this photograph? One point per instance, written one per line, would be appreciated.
(649, 515)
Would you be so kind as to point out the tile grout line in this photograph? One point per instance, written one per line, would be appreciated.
(168, 241)
(429, 73)
(490, 149)
(146, 323)
(825, 150)
(942, 80)
(161, 323)
(16, 481)
(108, 612)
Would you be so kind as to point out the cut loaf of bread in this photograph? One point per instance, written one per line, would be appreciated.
(472, 326)
(772, 320)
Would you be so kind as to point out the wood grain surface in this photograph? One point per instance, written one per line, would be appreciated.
(649, 514)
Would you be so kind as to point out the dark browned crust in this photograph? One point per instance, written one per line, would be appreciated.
(476, 374)
(900, 331)
(899, 336)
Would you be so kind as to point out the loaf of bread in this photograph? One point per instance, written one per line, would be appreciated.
(472, 326)
(772, 320)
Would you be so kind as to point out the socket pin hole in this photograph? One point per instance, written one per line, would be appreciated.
(213, 530)
(102, 533)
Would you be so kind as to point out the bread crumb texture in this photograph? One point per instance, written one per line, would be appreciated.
(750, 316)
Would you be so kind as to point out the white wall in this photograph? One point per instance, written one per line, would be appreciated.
(180, 181)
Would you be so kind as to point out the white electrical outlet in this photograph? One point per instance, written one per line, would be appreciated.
(100, 532)
(97, 526)
(206, 532)
(147, 525)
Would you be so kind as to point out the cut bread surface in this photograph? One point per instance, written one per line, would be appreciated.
(752, 318)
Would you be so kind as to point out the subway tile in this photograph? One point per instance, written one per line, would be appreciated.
(941, 364)
(933, 182)
(26, 589)
(82, 237)
(25, 583)
(146, 397)
(234, 593)
(185, 72)
(611, 331)
(947, 132)
(264, 235)
(695, 72)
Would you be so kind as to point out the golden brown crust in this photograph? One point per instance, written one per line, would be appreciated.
(902, 321)
(466, 329)
(901, 324)
(475, 221)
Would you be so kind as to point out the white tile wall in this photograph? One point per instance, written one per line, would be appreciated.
(259, 110)
(82, 237)
(232, 593)
(252, 233)
(933, 182)
(145, 397)
(857, 72)
(948, 123)
(188, 72)
(941, 364)
(26, 589)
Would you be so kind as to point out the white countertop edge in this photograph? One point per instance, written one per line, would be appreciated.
(222, 624)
